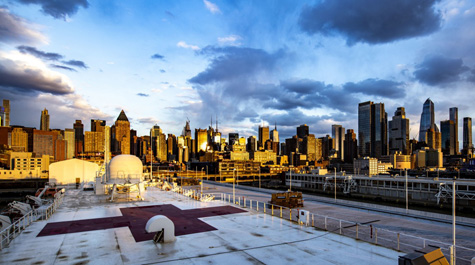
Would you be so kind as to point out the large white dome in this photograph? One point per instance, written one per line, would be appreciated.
(125, 168)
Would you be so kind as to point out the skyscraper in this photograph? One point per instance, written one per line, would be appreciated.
(467, 135)
(351, 146)
(302, 131)
(372, 129)
(447, 129)
(79, 137)
(338, 135)
(427, 120)
(5, 113)
(44, 122)
(186, 130)
(399, 132)
(98, 125)
(454, 116)
(120, 132)
(233, 138)
(201, 138)
(263, 136)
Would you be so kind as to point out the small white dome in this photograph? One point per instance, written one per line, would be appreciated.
(123, 168)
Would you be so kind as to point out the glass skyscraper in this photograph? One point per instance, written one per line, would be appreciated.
(372, 130)
(427, 120)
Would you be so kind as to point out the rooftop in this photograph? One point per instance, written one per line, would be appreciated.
(88, 229)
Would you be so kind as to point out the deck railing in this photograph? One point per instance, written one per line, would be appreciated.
(15, 229)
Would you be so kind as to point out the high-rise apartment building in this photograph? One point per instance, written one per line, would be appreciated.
(120, 132)
(263, 136)
(338, 135)
(399, 132)
(372, 129)
(79, 137)
(447, 129)
(302, 131)
(310, 147)
(19, 140)
(201, 138)
(467, 136)
(350, 146)
(5, 113)
(98, 125)
(44, 122)
(427, 120)
(433, 139)
(68, 136)
(454, 116)
(251, 144)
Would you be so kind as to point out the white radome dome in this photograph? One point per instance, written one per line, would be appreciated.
(123, 168)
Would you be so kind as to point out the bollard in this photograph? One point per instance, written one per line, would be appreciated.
(239, 200)
(356, 231)
(340, 227)
(257, 205)
(313, 225)
(265, 207)
(244, 199)
(370, 231)
(280, 211)
(272, 205)
(326, 223)
(397, 241)
(250, 204)
(290, 214)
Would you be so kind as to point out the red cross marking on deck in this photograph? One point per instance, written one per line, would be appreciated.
(186, 221)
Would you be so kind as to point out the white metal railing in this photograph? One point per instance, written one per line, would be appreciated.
(15, 229)
(361, 231)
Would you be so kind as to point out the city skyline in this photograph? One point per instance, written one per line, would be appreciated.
(167, 62)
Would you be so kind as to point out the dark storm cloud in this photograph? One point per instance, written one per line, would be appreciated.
(63, 67)
(157, 56)
(228, 63)
(76, 63)
(14, 29)
(377, 87)
(438, 70)
(51, 56)
(58, 8)
(143, 95)
(18, 77)
(371, 21)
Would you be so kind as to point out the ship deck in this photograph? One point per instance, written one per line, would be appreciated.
(87, 229)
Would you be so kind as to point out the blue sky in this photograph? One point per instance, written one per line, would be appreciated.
(246, 62)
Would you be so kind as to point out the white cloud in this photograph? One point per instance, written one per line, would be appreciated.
(16, 29)
(212, 7)
(183, 44)
(230, 40)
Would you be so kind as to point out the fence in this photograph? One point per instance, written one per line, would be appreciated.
(360, 231)
(15, 229)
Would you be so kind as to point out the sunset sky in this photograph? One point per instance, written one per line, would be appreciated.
(246, 62)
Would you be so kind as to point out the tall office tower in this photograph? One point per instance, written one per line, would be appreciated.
(350, 146)
(120, 132)
(427, 119)
(467, 136)
(68, 136)
(454, 116)
(399, 132)
(310, 147)
(107, 143)
(94, 142)
(161, 146)
(233, 138)
(44, 122)
(5, 113)
(98, 125)
(19, 140)
(79, 137)
(274, 136)
(302, 131)
(292, 145)
(327, 146)
(172, 147)
(372, 130)
(338, 135)
(447, 129)
(433, 138)
(318, 149)
(133, 142)
(186, 130)
(263, 136)
(201, 138)
(251, 144)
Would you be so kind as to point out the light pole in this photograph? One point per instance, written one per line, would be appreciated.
(201, 181)
(234, 190)
(259, 177)
(335, 184)
(453, 220)
(407, 196)
(151, 156)
(290, 186)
